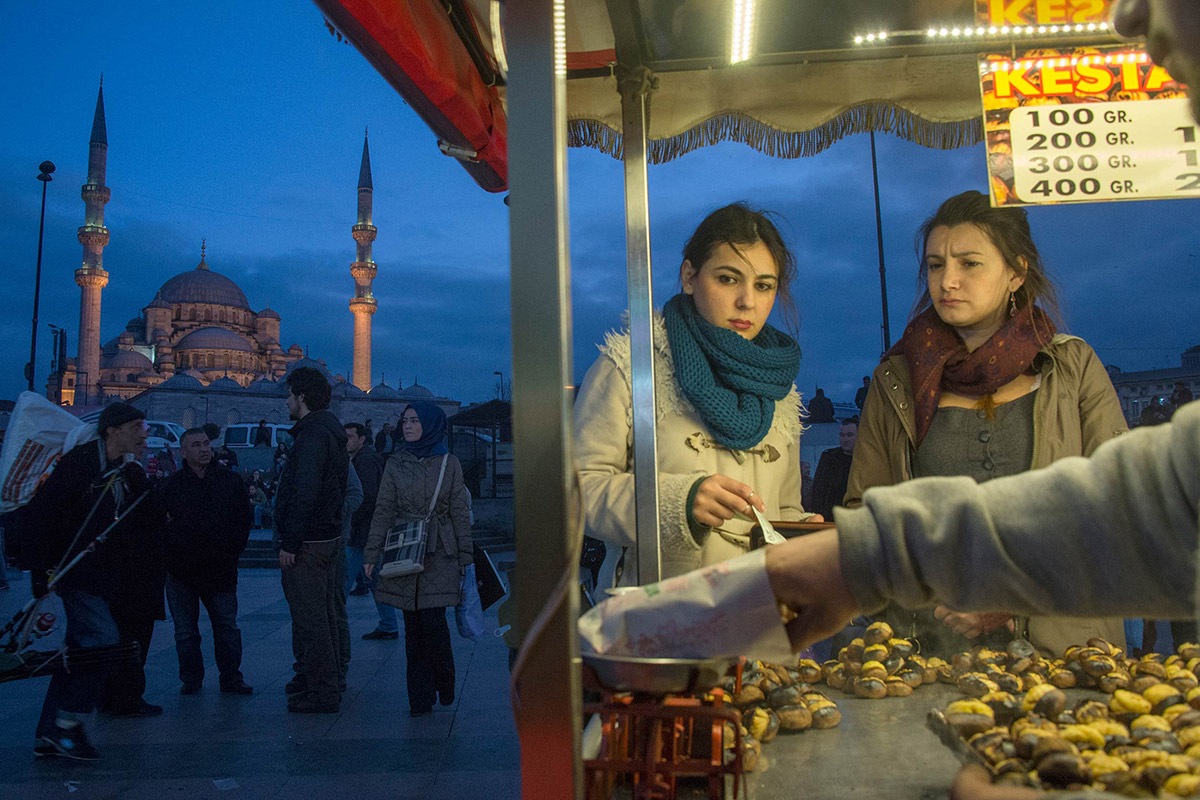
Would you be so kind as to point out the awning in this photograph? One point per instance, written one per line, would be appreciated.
(806, 90)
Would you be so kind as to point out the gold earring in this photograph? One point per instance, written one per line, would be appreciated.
(1012, 304)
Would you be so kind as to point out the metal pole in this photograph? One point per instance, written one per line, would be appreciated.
(635, 115)
(549, 718)
(46, 168)
(887, 328)
(500, 394)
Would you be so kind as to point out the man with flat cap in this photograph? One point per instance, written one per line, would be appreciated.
(101, 475)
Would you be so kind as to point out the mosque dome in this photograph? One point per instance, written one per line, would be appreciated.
(129, 360)
(195, 373)
(268, 313)
(212, 338)
(347, 389)
(416, 390)
(384, 392)
(181, 380)
(226, 383)
(159, 302)
(202, 285)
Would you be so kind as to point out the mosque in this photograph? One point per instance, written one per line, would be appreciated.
(199, 352)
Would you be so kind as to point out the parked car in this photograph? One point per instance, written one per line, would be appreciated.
(242, 434)
(159, 433)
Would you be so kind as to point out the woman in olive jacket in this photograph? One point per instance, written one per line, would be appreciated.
(982, 384)
(408, 485)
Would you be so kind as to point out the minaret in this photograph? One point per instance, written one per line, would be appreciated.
(363, 305)
(91, 276)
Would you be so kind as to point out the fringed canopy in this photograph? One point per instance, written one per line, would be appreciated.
(790, 111)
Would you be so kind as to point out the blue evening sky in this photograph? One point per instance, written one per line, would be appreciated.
(243, 123)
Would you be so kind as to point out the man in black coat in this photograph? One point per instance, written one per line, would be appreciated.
(833, 471)
(308, 520)
(208, 523)
(369, 466)
(820, 408)
(94, 484)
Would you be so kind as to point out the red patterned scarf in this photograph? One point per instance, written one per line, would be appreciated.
(938, 360)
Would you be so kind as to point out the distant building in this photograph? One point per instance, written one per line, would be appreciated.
(198, 352)
(1137, 389)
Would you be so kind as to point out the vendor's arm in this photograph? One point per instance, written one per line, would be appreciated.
(1107, 536)
(603, 448)
(1111, 535)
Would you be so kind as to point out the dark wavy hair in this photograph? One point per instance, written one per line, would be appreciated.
(309, 382)
(738, 225)
(1008, 229)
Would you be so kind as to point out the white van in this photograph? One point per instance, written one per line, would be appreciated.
(242, 434)
(159, 433)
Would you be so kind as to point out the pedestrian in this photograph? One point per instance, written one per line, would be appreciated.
(308, 519)
(93, 485)
(833, 469)
(208, 525)
(258, 501)
(860, 397)
(820, 408)
(369, 466)
(384, 442)
(262, 434)
(226, 457)
(983, 384)
(422, 475)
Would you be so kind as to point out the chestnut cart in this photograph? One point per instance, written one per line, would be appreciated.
(507, 87)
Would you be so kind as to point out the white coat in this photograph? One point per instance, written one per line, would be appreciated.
(686, 452)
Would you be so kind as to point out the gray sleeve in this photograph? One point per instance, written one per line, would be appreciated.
(1113, 535)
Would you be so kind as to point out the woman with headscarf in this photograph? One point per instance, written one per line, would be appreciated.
(409, 481)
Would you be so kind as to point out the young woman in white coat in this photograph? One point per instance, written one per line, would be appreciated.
(728, 414)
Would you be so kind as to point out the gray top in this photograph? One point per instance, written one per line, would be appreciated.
(963, 441)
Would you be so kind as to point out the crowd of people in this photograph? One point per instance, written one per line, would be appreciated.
(120, 547)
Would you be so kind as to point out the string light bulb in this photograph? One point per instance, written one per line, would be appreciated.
(743, 31)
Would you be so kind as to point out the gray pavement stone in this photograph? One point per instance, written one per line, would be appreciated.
(212, 745)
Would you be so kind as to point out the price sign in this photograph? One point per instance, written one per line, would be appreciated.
(1086, 124)
(1086, 152)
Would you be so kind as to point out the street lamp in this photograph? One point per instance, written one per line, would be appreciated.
(46, 168)
(501, 393)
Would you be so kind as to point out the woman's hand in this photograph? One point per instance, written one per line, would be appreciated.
(368, 569)
(973, 782)
(973, 625)
(720, 497)
(806, 576)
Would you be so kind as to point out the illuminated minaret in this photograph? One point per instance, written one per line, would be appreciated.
(363, 305)
(91, 276)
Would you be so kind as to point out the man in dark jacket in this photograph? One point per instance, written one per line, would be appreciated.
(308, 519)
(820, 408)
(369, 466)
(208, 523)
(833, 471)
(92, 485)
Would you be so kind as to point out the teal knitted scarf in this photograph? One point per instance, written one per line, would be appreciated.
(732, 382)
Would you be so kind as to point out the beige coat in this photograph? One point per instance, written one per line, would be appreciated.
(604, 455)
(407, 486)
(1075, 411)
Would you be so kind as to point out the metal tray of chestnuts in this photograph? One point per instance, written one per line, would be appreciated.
(655, 676)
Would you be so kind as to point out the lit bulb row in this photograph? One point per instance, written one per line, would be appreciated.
(993, 30)
(743, 31)
(1119, 58)
(560, 37)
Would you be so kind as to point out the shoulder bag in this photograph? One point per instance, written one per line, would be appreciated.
(404, 548)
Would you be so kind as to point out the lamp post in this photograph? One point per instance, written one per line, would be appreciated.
(495, 435)
(500, 394)
(46, 168)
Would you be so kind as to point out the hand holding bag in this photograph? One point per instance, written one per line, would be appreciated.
(404, 547)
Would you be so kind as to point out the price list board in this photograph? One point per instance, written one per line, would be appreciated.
(1087, 152)
(1085, 125)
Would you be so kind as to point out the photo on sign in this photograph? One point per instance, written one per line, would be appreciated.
(1085, 124)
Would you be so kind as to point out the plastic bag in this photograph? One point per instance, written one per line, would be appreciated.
(37, 434)
(468, 614)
